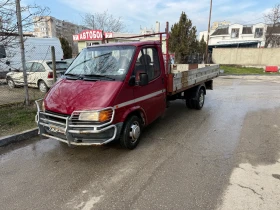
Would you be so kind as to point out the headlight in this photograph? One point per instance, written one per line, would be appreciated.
(98, 116)
(91, 116)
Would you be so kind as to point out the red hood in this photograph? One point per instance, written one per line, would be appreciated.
(72, 95)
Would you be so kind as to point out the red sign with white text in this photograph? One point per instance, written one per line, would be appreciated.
(91, 35)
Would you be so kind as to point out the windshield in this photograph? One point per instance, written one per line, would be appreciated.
(60, 65)
(102, 62)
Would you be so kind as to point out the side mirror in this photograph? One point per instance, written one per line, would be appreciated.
(8, 63)
(132, 81)
(144, 80)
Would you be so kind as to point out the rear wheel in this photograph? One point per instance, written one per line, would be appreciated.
(199, 102)
(43, 87)
(131, 132)
(11, 83)
(189, 103)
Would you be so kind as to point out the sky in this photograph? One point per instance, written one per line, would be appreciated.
(145, 13)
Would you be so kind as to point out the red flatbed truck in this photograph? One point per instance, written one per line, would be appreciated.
(112, 91)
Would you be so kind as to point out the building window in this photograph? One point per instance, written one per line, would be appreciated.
(235, 33)
(258, 32)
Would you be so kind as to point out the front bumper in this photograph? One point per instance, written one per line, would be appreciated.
(63, 128)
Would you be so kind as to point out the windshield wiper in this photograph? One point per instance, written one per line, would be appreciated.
(99, 76)
(79, 64)
(72, 76)
(103, 55)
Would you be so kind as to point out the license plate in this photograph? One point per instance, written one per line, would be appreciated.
(56, 129)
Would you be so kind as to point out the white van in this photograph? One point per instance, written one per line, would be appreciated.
(35, 49)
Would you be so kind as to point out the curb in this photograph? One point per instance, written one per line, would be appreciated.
(264, 75)
(252, 76)
(18, 137)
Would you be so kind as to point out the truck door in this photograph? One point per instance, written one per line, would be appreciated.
(152, 96)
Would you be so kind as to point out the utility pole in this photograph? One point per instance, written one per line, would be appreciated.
(19, 24)
(208, 34)
(53, 64)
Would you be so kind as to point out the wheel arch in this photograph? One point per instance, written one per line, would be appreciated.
(137, 111)
(39, 80)
(202, 86)
(193, 92)
(8, 77)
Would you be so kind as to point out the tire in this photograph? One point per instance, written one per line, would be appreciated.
(189, 103)
(131, 133)
(11, 83)
(199, 102)
(43, 87)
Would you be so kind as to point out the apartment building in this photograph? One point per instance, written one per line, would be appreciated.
(48, 26)
(238, 35)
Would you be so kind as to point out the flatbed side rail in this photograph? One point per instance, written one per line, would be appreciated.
(183, 80)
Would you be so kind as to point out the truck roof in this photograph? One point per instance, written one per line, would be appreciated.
(136, 44)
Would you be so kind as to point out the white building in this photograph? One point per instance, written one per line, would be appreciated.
(237, 35)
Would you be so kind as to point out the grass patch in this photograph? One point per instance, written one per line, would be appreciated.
(235, 69)
(16, 119)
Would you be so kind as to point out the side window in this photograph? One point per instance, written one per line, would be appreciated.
(147, 62)
(28, 66)
(2, 51)
(38, 67)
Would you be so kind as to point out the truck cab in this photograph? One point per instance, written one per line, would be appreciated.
(109, 92)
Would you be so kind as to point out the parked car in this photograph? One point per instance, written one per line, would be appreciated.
(39, 74)
(35, 49)
(69, 60)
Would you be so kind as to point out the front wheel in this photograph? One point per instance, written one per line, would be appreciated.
(131, 132)
(11, 83)
(43, 87)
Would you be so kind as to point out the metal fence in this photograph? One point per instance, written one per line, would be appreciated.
(38, 69)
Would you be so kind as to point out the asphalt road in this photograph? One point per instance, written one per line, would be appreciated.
(226, 156)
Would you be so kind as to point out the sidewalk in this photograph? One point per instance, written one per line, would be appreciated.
(272, 78)
(5, 140)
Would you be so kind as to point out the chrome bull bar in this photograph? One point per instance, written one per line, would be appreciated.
(63, 126)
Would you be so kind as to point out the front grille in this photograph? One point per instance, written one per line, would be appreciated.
(71, 129)
(58, 114)
(56, 117)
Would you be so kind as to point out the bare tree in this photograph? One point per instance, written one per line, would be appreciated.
(14, 21)
(273, 29)
(8, 18)
(103, 21)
